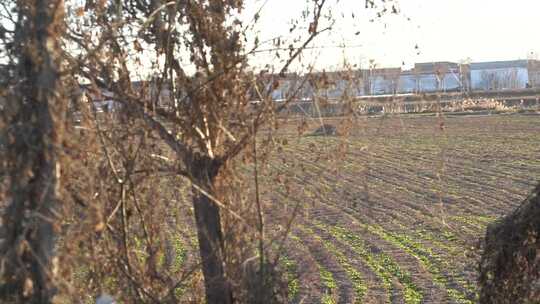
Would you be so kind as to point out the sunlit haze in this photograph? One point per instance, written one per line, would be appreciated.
(424, 30)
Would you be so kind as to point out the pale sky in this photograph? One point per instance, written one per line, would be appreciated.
(444, 30)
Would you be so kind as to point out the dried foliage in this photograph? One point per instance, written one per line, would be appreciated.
(510, 265)
(133, 138)
(160, 155)
(205, 122)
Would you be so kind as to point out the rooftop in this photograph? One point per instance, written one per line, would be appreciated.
(432, 67)
(499, 64)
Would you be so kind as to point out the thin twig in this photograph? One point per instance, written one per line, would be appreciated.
(259, 207)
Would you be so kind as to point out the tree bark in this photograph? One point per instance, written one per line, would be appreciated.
(204, 171)
(34, 140)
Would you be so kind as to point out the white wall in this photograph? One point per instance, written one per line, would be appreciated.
(450, 82)
(499, 79)
(407, 83)
(381, 85)
(427, 83)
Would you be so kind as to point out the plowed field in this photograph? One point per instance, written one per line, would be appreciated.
(394, 211)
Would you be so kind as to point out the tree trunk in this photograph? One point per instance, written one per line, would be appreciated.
(204, 171)
(34, 141)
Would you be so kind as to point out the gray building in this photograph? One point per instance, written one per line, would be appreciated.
(441, 76)
(431, 77)
(499, 75)
(533, 69)
(382, 81)
(408, 82)
(427, 77)
(336, 85)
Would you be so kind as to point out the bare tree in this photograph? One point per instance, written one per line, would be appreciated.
(198, 52)
(209, 120)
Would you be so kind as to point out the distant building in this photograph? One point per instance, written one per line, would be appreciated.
(533, 69)
(383, 81)
(279, 87)
(102, 100)
(331, 85)
(432, 77)
(335, 85)
(499, 75)
(408, 82)
(426, 77)
(437, 76)
(465, 76)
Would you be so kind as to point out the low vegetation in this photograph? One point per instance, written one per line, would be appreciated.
(406, 205)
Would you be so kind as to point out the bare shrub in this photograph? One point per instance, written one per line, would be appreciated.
(510, 265)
